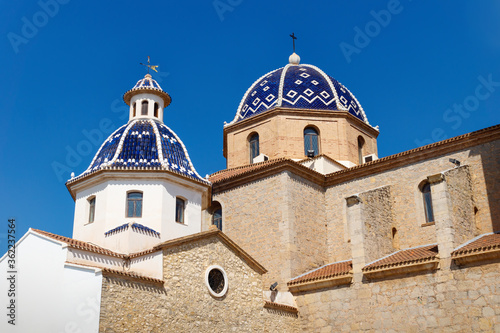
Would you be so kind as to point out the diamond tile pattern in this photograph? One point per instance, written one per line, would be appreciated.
(304, 87)
(263, 96)
(136, 145)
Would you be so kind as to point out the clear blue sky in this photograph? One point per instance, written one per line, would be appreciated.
(422, 70)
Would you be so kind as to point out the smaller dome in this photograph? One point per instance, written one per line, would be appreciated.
(147, 85)
(143, 144)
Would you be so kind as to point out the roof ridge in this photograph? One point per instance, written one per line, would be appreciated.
(85, 246)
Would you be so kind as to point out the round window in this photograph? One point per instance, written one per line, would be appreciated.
(216, 280)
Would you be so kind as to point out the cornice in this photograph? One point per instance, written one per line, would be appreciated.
(278, 110)
(383, 164)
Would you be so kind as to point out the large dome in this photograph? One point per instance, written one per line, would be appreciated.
(299, 87)
(143, 144)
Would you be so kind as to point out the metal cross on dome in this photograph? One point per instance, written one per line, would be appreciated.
(293, 38)
(153, 67)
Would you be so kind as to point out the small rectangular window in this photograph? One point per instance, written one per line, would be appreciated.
(180, 206)
(134, 204)
(91, 210)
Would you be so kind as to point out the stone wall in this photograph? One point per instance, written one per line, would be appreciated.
(462, 204)
(184, 304)
(407, 202)
(279, 221)
(283, 136)
(306, 202)
(456, 300)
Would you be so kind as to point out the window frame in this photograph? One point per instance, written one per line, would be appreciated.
(182, 219)
(144, 110)
(217, 221)
(254, 146)
(361, 145)
(309, 140)
(156, 109)
(91, 201)
(134, 201)
(425, 190)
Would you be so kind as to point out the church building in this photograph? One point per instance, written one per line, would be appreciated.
(307, 229)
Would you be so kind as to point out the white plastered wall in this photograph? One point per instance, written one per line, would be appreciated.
(158, 213)
(151, 98)
(50, 296)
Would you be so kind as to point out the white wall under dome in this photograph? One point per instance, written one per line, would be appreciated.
(158, 209)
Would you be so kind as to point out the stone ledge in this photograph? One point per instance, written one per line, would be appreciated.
(282, 307)
(390, 271)
(323, 283)
(476, 256)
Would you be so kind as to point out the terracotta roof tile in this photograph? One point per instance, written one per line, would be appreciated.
(479, 244)
(279, 306)
(80, 245)
(407, 256)
(129, 274)
(132, 275)
(324, 272)
(229, 173)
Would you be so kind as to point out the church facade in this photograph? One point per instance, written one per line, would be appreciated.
(307, 229)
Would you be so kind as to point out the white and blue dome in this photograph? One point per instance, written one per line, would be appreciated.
(143, 144)
(299, 87)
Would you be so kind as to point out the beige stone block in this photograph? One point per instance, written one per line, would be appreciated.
(488, 312)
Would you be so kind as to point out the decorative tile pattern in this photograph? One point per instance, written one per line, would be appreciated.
(144, 143)
(301, 87)
(262, 95)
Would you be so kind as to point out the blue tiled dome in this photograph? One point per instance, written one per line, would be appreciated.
(300, 87)
(143, 144)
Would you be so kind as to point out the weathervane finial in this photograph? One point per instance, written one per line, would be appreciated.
(153, 67)
(293, 38)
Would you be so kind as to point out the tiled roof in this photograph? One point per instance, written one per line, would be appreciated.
(214, 232)
(143, 144)
(80, 245)
(324, 272)
(300, 87)
(229, 173)
(130, 274)
(481, 243)
(403, 257)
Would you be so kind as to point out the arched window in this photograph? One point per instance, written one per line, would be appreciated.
(180, 206)
(254, 146)
(134, 110)
(91, 209)
(134, 204)
(156, 110)
(361, 143)
(311, 147)
(217, 218)
(144, 109)
(425, 188)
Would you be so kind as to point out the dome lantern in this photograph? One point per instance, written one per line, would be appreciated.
(147, 99)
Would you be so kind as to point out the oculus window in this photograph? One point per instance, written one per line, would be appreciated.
(216, 281)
